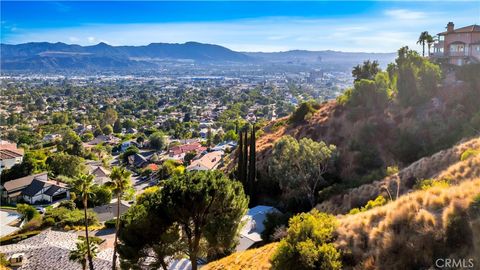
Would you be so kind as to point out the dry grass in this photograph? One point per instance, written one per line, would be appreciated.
(258, 258)
(412, 231)
(445, 164)
(409, 233)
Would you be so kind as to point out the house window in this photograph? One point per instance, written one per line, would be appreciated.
(457, 47)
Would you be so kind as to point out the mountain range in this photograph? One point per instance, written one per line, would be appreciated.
(44, 56)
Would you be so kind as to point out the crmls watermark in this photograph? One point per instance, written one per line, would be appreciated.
(455, 263)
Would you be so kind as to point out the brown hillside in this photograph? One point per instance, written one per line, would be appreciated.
(336, 124)
(442, 222)
(445, 164)
(258, 259)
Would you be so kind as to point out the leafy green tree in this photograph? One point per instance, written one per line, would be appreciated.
(305, 109)
(147, 231)
(87, 136)
(308, 244)
(71, 143)
(59, 118)
(200, 212)
(110, 116)
(119, 184)
(299, 166)
(157, 140)
(27, 167)
(367, 71)
(206, 205)
(81, 252)
(84, 183)
(65, 164)
(101, 195)
(231, 135)
(97, 132)
(189, 157)
(117, 126)
(131, 150)
(27, 211)
(107, 130)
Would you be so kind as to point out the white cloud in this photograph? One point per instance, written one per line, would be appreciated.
(405, 14)
(383, 33)
(73, 39)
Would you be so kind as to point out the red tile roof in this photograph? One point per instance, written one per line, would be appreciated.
(466, 29)
(9, 154)
(185, 148)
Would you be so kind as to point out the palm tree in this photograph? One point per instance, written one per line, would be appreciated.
(430, 40)
(80, 254)
(119, 184)
(84, 183)
(422, 39)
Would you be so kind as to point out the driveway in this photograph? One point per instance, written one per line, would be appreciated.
(6, 218)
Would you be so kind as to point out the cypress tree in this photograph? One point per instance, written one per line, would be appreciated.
(240, 168)
(245, 159)
(252, 171)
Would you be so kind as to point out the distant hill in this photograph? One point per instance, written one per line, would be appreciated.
(44, 56)
(51, 56)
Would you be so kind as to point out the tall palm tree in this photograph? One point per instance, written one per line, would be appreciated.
(422, 39)
(120, 182)
(430, 40)
(84, 183)
(80, 254)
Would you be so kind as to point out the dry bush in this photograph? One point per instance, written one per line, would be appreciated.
(413, 231)
(445, 164)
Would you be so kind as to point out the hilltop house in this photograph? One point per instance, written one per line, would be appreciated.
(178, 152)
(458, 46)
(250, 235)
(209, 161)
(102, 175)
(34, 188)
(9, 155)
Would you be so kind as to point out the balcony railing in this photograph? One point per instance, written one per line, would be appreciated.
(464, 53)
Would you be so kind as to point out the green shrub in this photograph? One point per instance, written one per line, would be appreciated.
(69, 204)
(34, 224)
(93, 239)
(65, 217)
(27, 211)
(308, 244)
(425, 184)
(469, 153)
(299, 116)
(48, 222)
(379, 201)
(391, 170)
(110, 223)
(12, 239)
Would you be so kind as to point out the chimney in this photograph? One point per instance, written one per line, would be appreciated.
(450, 27)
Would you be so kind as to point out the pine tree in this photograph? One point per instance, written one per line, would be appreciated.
(252, 171)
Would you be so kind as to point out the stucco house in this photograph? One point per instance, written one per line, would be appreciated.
(34, 189)
(9, 155)
(458, 46)
(209, 161)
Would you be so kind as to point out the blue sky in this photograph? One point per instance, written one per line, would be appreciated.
(371, 26)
